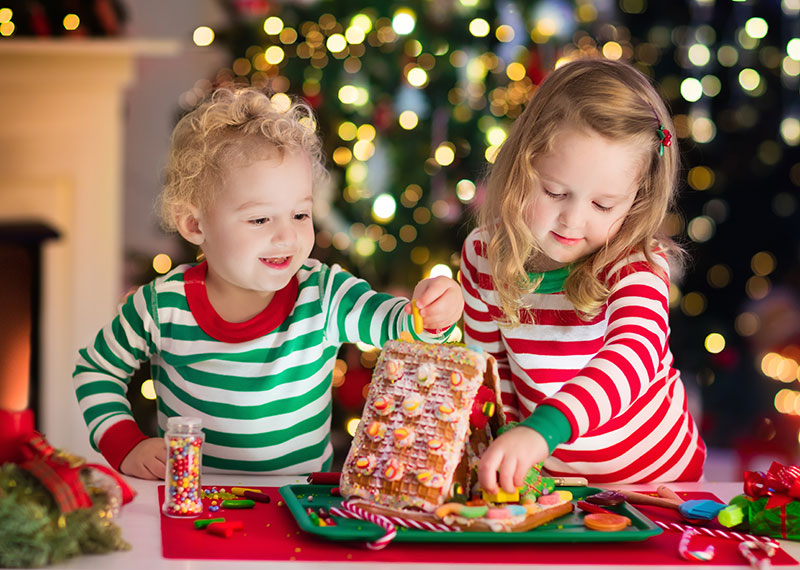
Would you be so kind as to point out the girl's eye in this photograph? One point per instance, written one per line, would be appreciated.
(551, 194)
(602, 208)
(258, 221)
(301, 217)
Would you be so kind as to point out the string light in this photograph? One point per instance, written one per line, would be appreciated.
(203, 36)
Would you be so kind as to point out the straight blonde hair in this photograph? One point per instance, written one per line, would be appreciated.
(618, 102)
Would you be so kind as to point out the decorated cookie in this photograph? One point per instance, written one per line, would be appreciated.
(605, 522)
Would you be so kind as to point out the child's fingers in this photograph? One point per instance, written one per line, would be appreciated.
(487, 472)
(429, 291)
(506, 479)
(520, 473)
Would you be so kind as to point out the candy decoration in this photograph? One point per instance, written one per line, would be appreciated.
(225, 529)
(256, 496)
(747, 548)
(426, 374)
(324, 478)
(238, 504)
(203, 523)
(349, 511)
(727, 534)
(394, 369)
(417, 318)
(403, 436)
(184, 441)
(380, 520)
(412, 405)
(605, 523)
(693, 555)
(383, 405)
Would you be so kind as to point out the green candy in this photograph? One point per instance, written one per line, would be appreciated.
(238, 504)
(203, 523)
(473, 512)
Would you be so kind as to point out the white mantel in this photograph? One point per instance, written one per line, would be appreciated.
(62, 105)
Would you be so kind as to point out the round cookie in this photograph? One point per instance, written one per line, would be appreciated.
(605, 522)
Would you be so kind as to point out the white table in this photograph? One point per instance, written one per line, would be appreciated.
(140, 523)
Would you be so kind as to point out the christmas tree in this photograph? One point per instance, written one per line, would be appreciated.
(414, 99)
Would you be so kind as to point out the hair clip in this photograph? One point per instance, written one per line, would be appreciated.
(665, 137)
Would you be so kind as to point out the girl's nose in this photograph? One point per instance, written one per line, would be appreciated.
(283, 234)
(571, 216)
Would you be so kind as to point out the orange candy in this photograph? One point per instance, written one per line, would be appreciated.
(606, 522)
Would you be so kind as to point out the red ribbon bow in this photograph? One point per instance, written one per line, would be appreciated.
(780, 483)
(55, 472)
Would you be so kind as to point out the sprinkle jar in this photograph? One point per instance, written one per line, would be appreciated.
(184, 440)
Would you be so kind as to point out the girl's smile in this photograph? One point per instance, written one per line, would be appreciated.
(277, 262)
(566, 240)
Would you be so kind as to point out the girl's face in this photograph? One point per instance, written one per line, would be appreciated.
(259, 232)
(587, 186)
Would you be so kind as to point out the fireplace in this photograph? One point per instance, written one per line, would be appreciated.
(61, 158)
(20, 307)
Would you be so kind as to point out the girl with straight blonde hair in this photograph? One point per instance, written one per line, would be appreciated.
(566, 282)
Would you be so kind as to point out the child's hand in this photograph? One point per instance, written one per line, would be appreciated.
(512, 454)
(147, 460)
(439, 301)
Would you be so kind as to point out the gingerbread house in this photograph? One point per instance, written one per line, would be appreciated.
(430, 412)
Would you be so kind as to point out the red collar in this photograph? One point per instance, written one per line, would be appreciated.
(215, 326)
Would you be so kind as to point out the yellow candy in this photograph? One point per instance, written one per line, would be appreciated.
(417, 318)
(501, 497)
(564, 495)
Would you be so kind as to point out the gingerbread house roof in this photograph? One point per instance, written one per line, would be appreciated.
(415, 438)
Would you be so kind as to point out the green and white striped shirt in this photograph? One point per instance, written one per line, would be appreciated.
(262, 388)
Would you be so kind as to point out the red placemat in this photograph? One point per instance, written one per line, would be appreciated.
(271, 533)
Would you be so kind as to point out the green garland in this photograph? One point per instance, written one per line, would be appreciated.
(34, 533)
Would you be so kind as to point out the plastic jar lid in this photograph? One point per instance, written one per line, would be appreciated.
(184, 423)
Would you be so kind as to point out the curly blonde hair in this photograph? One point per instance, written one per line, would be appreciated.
(232, 128)
(618, 102)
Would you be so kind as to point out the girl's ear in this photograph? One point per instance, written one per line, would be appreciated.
(188, 223)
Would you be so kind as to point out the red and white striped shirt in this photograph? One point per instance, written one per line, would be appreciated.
(611, 376)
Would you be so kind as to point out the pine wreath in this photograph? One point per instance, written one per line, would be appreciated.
(34, 532)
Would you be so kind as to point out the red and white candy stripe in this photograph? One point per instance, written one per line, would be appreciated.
(351, 511)
(729, 534)
(388, 523)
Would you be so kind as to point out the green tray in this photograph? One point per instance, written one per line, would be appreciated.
(569, 528)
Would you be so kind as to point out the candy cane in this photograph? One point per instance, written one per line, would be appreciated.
(746, 549)
(730, 535)
(699, 555)
(349, 510)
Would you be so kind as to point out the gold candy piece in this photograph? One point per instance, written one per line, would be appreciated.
(417, 317)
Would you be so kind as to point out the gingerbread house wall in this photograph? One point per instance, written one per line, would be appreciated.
(428, 391)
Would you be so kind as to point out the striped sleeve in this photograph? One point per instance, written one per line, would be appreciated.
(356, 313)
(104, 368)
(635, 343)
(480, 328)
